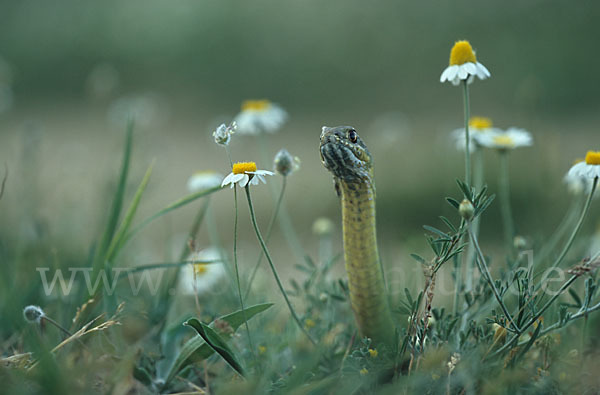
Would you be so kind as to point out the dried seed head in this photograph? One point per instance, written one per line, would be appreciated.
(33, 314)
(284, 163)
(223, 133)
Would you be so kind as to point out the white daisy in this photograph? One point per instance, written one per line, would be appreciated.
(479, 127)
(463, 65)
(588, 169)
(203, 180)
(510, 139)
(202, 277)
(260, 116)
(245, 173)
(577, 185)
(223, 133)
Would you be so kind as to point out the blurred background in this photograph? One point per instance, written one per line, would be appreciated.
(72, 71)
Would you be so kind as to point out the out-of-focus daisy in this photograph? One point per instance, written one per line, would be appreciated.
(588, 169)
(202, 277)
(577, 185)
(244, 173)
(479, 127)
(260, 116)
(223, 133)
(463, 65)
(510, 139)
(203, 180)
(284, 163)
(146, 110)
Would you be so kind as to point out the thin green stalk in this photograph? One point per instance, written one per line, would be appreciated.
(486, 273)
(470, 257)
(467, 137)
(504, 192)
(577, 226)
(269, 230)
(277, 279)
(457, 283)
(285, 223)
(561, 230)
(237, 272)
(457, 267)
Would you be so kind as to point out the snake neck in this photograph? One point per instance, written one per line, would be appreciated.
(365, 276)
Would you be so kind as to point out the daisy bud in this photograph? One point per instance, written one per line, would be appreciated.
(466, 209)
(33, 314)
(284, 163)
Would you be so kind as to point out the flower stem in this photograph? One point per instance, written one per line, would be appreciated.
(277, 279)
(504, 191)
(578, 226)
(566, 224)
(457, 266)
(268, 237)
(470, 257)
(467, 137)
(237, 271)
(483, 268)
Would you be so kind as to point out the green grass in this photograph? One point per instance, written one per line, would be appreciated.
(168, 342)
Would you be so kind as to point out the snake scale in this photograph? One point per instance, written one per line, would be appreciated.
(345, 155)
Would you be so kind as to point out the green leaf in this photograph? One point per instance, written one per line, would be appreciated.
(436, 231)
(418, 258)
(466, 190)
(453, 202)
(196, 348)
(575, 297)
(217, 344)
(173, 206)
(449, 224)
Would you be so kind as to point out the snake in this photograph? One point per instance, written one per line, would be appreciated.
(346, 157)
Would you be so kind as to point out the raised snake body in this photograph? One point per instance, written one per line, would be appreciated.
(345, 155)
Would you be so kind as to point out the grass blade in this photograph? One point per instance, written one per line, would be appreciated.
(119, 239)
(173, 206)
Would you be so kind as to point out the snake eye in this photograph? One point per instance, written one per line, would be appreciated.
(353, 136)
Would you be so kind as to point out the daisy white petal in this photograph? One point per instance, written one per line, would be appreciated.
(470, 68)
(228, 179)
(463, 65)
(244, 180)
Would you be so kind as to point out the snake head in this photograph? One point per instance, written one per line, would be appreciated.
(345, 155)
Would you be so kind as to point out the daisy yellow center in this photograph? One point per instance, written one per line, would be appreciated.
(504, 140)
(592, 158)
(255, 105)
(480, 123)
(462, 53)
(243, 167)
(200, 269)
